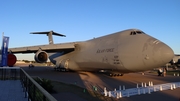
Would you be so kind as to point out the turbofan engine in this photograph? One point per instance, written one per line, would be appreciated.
(41, 56)
(11, 60)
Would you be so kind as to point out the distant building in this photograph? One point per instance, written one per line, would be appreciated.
(20, 61)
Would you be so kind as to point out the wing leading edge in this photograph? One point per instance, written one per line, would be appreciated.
(47, 48)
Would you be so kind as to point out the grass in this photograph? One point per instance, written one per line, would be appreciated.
(88, 95)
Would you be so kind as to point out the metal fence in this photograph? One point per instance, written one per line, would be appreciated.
(9, 73)
(145, 89)
(32, 90)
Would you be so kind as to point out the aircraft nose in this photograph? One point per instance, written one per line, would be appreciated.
(166, 53)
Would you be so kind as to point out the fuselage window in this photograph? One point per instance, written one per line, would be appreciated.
(136, 32)
(142, 32)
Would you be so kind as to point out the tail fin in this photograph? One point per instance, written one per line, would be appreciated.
(49, 34)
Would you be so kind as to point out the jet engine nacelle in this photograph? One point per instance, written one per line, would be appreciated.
(11, 60)
(41, 56)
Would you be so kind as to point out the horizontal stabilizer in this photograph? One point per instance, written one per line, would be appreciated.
(49, 34)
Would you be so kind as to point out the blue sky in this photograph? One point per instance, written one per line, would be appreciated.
(81, 20)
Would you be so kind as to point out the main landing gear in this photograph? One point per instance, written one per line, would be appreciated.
(60, 69)
(115, 74)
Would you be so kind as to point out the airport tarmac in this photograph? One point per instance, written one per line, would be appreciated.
(88, 79)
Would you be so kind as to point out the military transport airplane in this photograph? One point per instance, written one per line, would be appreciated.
(126, 51)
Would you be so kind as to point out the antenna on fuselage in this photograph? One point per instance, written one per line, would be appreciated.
(49, 34)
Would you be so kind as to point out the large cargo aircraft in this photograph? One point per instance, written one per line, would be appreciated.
(126, 51)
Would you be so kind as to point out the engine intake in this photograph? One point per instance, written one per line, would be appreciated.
(41, 57)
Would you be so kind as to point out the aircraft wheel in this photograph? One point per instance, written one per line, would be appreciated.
(111, 75)
(62, 70)
(121, 74)
(114, 75)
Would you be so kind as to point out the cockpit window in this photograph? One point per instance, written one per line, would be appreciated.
(136, 32)
(133, 33)
(142, 32)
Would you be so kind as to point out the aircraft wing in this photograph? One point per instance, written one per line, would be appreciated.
(177, 54)
(47, 48)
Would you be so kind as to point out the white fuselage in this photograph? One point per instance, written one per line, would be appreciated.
(121, 51)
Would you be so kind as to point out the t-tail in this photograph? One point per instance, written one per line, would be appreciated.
(49, 34)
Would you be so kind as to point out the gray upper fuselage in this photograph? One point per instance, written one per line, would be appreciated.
(126, 51)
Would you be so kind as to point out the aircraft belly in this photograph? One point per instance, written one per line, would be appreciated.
(101, 62)
(93, 66)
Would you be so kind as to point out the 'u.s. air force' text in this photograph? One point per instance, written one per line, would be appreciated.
(105, 50)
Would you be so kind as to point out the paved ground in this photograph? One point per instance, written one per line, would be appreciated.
(11, 90)
(87, 80)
